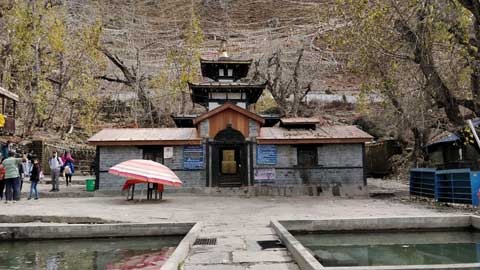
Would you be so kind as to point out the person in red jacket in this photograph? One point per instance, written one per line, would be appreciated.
(2, 182)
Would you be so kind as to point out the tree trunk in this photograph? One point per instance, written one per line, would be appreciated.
(420, 40)
(32, 109)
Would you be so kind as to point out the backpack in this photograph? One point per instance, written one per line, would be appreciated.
(68, 170)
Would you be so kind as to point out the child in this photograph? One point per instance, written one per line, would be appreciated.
(68, 174)
(34, 178)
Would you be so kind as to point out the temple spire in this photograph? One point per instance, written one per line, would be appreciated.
(222, 52)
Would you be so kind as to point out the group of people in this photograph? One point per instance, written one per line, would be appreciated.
(12, 171)
(61, 166)
(16, 167)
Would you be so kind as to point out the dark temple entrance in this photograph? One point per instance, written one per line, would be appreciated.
(229, 159)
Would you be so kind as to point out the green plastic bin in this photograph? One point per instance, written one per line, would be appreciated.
(90, 184)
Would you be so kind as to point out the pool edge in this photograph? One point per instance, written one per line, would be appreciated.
(306, 261)
(301, 255)
(182, 250)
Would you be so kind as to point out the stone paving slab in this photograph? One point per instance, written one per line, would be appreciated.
(209, 258)
(274, 266)
(217, 267)
(261, 256)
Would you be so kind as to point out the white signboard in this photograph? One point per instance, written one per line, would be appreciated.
(168, 152)
(265, 174)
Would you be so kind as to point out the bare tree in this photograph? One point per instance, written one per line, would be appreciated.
(134, 79)
(286, 80)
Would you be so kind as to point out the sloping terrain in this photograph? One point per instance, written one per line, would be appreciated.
(254, 29)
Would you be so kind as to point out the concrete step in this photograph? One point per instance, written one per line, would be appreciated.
(63, 182)
(72, 191)
(76, 179)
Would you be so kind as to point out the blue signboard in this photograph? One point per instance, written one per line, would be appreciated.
(193, 157)
(266, 154)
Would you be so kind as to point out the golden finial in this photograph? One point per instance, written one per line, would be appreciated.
(222, 52)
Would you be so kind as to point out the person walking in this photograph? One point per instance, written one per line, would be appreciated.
(21, 173)
(12, 177)
(68, 167)
(34, 178)
(25, 170)
(55, 164)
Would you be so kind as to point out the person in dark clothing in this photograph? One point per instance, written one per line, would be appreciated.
(34, 178)
(31, 156)
(5, 150)
(21, 173)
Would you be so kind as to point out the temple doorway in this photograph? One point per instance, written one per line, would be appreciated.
(229, 159)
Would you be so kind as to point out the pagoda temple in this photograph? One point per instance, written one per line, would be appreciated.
(232, 146)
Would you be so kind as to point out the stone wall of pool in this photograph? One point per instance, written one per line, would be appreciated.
(37, 231)
(306, 260)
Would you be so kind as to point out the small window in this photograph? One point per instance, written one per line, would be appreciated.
(153, 153)
(230, 72)
(221, 72)
(307, 156)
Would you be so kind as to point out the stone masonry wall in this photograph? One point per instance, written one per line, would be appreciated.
(339, 171)
(340, 155)
(111, 155)
(190, 178)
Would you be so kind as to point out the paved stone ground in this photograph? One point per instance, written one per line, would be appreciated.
(236, 222)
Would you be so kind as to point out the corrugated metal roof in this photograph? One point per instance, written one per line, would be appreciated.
(324, 132)
(451, 137)
(145, 134)
(8, 94)
(300, 120)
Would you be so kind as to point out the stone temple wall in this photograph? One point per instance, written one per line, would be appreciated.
(339, 170)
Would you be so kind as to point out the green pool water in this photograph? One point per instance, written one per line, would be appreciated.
(88, 254)
(393, 248)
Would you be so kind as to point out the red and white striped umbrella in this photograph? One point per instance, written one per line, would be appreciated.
(147, 171)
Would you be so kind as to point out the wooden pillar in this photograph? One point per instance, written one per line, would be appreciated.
(3, 105)
(206, 146)
(14, 108)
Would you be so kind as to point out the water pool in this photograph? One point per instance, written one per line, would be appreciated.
(393, 248)
(88, 254)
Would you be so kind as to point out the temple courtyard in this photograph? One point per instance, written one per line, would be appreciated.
(237, 222)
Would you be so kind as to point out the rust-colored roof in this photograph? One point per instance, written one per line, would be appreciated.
(226, 106)
(146, 136)
(299, 120)
(324, 134)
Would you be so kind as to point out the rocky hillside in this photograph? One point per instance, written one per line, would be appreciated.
(253, 28)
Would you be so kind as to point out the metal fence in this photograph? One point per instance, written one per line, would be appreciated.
(454, 186)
